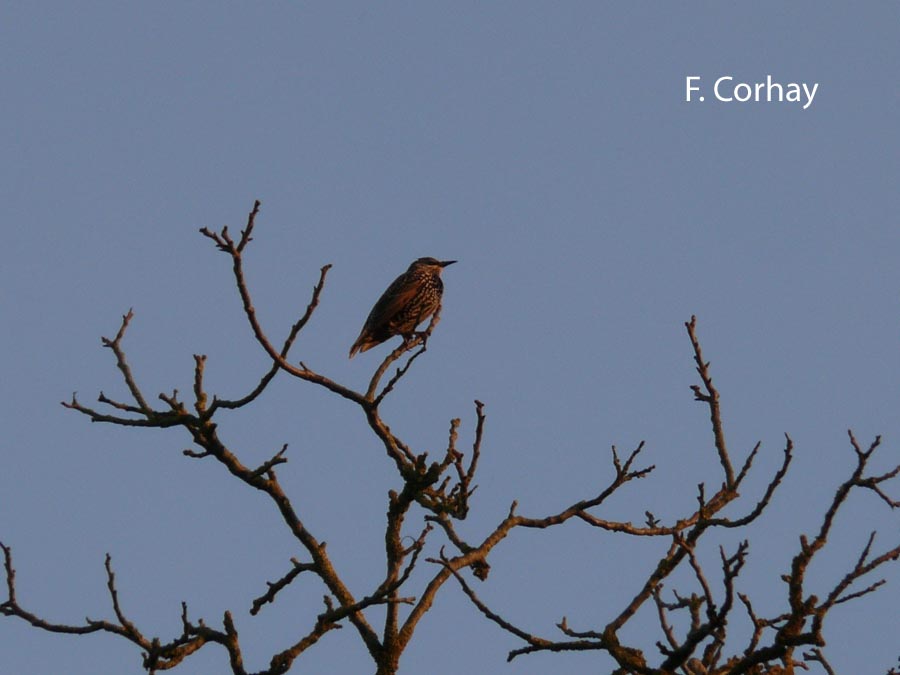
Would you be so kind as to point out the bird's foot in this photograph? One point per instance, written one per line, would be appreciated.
(417, 336)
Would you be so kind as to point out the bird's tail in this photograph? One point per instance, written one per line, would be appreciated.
(363, 343)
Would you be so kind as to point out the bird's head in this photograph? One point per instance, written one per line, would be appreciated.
(432, 264)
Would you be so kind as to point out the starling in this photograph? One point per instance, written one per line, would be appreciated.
(413, 297)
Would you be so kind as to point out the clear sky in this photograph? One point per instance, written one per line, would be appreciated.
(546, 146)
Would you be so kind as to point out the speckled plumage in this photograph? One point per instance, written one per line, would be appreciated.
(413, 297)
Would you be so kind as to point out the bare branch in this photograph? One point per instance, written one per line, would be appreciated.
(199, 393)
(710, 396)
(225, 244)
(269, 464)
(116, 345)
(496, 618)
(275, 586)
(770, 490)
(816, 655)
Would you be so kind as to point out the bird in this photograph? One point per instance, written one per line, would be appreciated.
(412, 297)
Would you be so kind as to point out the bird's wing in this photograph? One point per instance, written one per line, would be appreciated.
(397, 296)
(377, 329)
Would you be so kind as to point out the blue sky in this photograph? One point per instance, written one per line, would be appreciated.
(551, 151)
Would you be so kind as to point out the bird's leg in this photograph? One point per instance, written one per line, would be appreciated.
(414, 337)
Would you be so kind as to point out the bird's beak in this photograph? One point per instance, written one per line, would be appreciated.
(444, 263)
